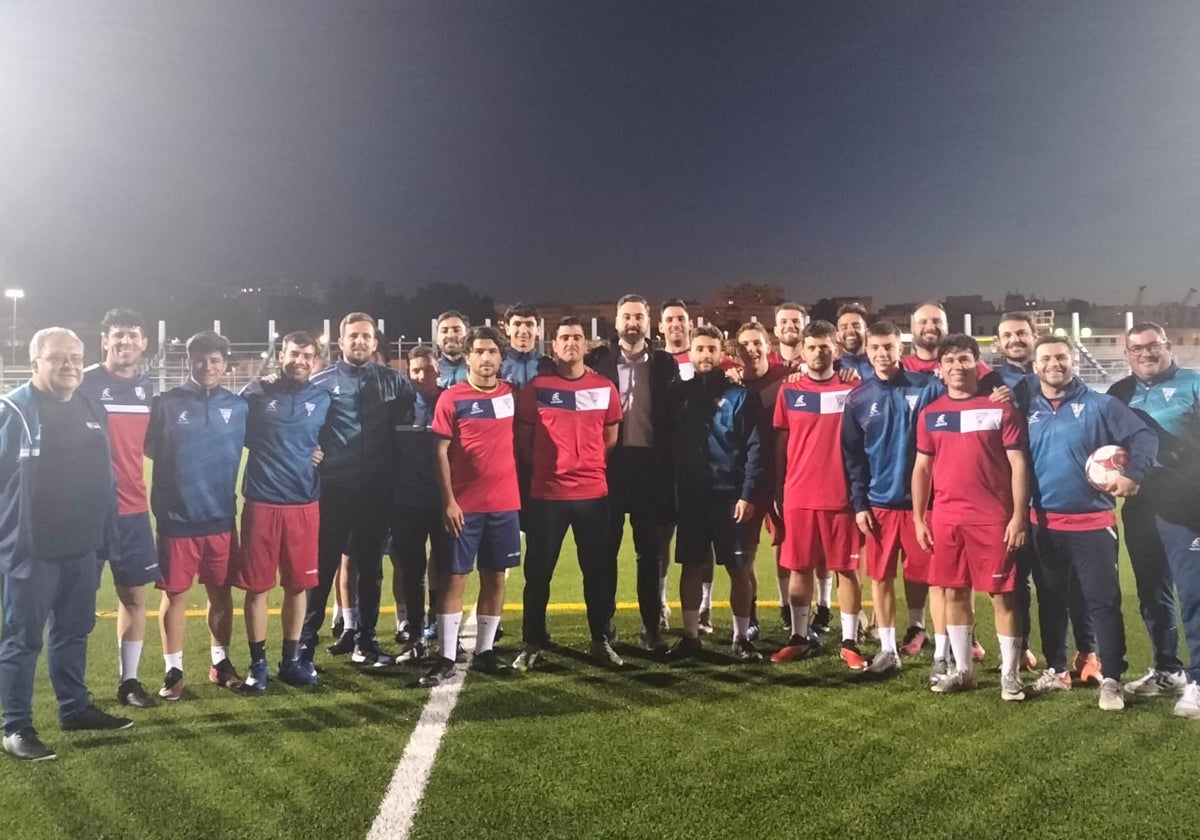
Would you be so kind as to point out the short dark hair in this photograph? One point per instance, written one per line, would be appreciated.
(673, 302)
(381, 346)
(422, 351)
(882, 328)
(454, 313)
(121, 317)
(299, 338)
(1051, 338)
(483, 334)
(1142, 326)
(819, 329)
(355, 318)
(1017, 316)
(569, 321)
(790, 304)
(753, 325)
(521, 310)
(707, 331)
(853, 309)
(632, 298)
(206, 343)
(956, 343)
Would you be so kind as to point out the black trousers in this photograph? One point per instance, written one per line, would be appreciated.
(633, 488)
(411, 527)
(355, 522)
(547, 522)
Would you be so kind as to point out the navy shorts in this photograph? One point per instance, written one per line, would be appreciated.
(136, 563)
(702, 524)
(495, 538)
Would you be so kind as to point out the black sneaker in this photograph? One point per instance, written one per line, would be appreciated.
(132, 693)
(820, 622)
(344, 644)
(489, 662)
(25, 745)
(686, 648)
(369, 653)
(172, 687)
(338, 628)
(93, 718)
(744, 651)
(403, 637)
(439, 673)
(785, 618)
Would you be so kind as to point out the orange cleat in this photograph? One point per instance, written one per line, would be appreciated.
(852, 656)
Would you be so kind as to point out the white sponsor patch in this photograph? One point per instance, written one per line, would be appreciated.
(981, 419)
(833, 402)
(592, 399)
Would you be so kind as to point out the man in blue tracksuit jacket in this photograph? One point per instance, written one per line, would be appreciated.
(452, 328)
(58, 513)
(522, 360)
(1074, 524)
(718, 465)
(368, 401)
(1162, 523)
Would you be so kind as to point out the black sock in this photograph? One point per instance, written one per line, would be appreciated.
(290, 649)
(258, 650)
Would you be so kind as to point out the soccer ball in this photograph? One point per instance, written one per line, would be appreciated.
(1104, 465)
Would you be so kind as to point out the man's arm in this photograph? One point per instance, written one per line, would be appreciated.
(453, 515)
(781, 448)
(922, 480)
(612, 432)
(1017, 529)
(524, 443)
(1128, 430)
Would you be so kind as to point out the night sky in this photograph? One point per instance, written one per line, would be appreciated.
(575, 151)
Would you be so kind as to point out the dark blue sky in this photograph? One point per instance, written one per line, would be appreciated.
(570, 150)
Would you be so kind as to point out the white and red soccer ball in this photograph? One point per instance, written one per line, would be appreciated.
(1105, 465)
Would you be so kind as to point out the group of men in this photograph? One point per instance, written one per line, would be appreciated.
(856, 457)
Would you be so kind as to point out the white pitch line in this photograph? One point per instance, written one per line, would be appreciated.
(403, 797)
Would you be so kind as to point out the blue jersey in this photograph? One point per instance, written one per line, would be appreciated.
(879, 438)
(519, 367)
(1170, 405)
(1062, 438)
(858, 362)
(1011, 375)
(716, 440)
(283, 430)
(416, 451)
(451, 371)
(195, 439)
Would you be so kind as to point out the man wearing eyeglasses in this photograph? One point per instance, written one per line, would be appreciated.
(1162, 522)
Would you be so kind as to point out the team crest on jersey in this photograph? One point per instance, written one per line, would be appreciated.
(271, 406)
(799, 403)
(1168, 393)
(182, 419)
(476, 408)
(555, 399)
(940, 422)
(106, 395)
(310, 408)
(911, 399)
(337, 390)
(226, 413)
(1077, 408)
(139, 392)
(875, 412)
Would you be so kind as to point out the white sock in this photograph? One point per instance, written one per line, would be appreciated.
(706, 597)
(173, 660)
(691, 623)
(849, 627)
(800, 621)
(960, 646)
(783, 583)
(1010, 653)
(741, 627)
(662, 589)
(916, 618)
(485, 631)
(129, 655)
(824, 591)
(940, 642)
(349, 618)
(219, 654)
(448, 626)
(887, 639)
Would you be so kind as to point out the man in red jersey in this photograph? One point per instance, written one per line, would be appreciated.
(567, 421)
(477, 474)
(973, 452)
(125, 391)
(790, 318)
(929, 326)
(819, 528)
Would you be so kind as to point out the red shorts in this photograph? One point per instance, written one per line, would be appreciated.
(182, 559)
(279, 538)
(972, 556)
(896, 534)
(766, 516)
(825, 540)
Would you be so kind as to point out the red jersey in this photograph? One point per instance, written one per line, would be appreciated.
(811, 413)
(568, 418)
(483, 463)
(969, 439)
(684, 360)
(934, 366)
(127, 402)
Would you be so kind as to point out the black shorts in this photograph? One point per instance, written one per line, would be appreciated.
(705, 523)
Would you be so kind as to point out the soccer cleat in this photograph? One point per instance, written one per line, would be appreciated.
(403, 634)
(796, 649)
(913, 641)
(885, 662)
(95, 719)
(297, 672)
(652, 640)
(1188, 705)
(1011, 687)
(744, 651)
(1050, 681)
(172, 687)
(706, 625)
(852, 656)
(753, 632)
(785, 618)
(369, 653)
(438, 674)
(489, 662)
(338, 627)
(430, 631)
(955, 681)
(687, 647)
(940, 669)
(1112, 698)
(256, 677)
(133, 693)
(1157, 683)
(664, 617)
(344, 644)
(611, 634)
(977, 651)
(1029, 662)
(602, 652)
(820, 622)
(413, 652)
(225, 675)
(527, 658)
(1087, 667)
(25, 745)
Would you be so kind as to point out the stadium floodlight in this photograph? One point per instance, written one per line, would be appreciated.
(1086, 332)
(14, 295)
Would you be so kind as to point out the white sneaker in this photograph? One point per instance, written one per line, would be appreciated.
(885, 662)
(1011, 687)
(1112, 698)
(1049, 681)
(955, 681)
(939, 670)
(1157, 683)
(1188, 705)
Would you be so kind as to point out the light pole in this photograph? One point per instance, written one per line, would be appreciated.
(15, 295)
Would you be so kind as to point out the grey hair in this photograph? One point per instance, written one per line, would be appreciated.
(44, 335)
